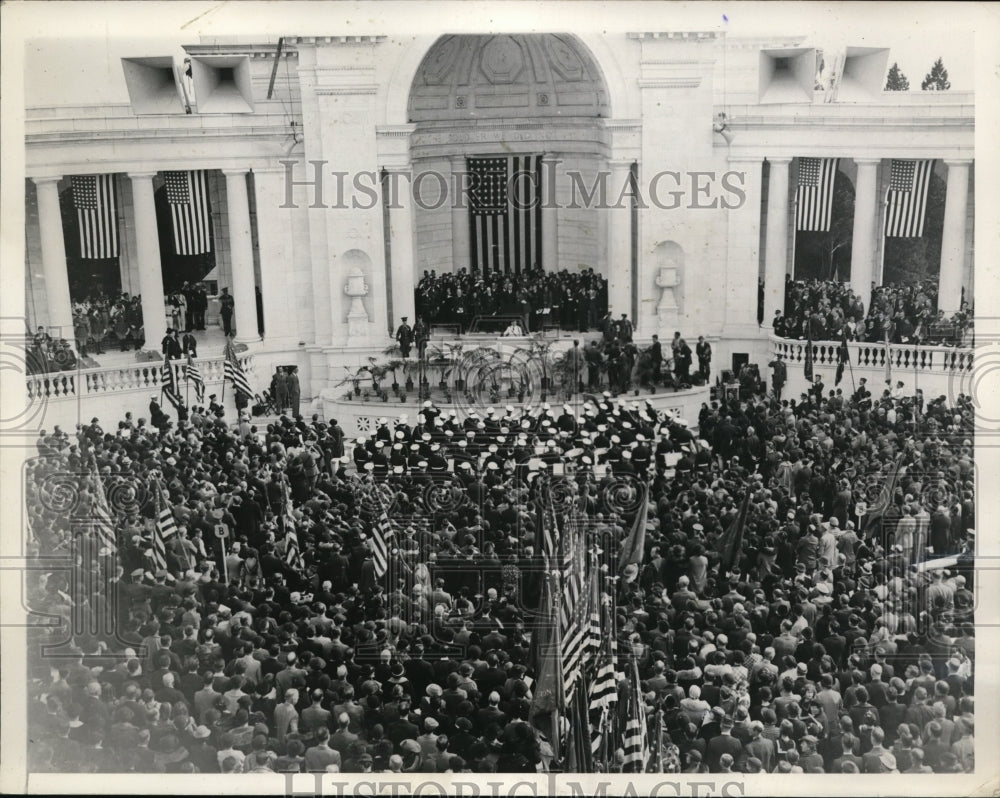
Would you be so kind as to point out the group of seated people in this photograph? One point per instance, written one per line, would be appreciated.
(838, 639)
(828, 310)
(569, 300)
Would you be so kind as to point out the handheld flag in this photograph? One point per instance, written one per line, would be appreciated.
(843, 356)
(166, 526)
(633, 547)
(732, 539)
(807, 370)
(193, 374)
(877, 511)
(233, 371)
(168, 383)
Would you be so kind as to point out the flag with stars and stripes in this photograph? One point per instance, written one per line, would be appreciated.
(233, 371)
(636, 734)
(381, 534)
(293, 554)
(906, 200)
(97, 215)
(193, 374)
(104, 523)
(168, 383)
(505, 212)
(814, 194)
(187, 197)
(166, 526)
(574, 607)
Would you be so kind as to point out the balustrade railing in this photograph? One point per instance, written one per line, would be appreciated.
(906, 357)
(120, 379)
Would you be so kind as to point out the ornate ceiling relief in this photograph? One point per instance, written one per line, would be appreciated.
(467, 77)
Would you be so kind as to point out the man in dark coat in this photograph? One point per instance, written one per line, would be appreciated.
(226, 306)
(404, 337)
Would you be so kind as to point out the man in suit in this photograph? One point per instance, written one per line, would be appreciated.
(703, 349)
(226, 307)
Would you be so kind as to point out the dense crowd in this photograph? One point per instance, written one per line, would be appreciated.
(571, 300)
(837, 641)
(828, 310)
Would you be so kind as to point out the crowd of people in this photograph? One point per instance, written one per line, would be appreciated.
(840, 639)
(570, 300)
(828, 310)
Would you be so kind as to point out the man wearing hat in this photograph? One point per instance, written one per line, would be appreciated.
(404, 337)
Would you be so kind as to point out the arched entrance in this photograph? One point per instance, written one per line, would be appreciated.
(509, 152)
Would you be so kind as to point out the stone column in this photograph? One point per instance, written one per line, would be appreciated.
(864, 242)
(459, 199)
(742, 254)
(401, 246)
(148, 255)
(54, 256)
(776, 240)
(241, 255)
(279, 275)
(550, 214)
(953, 239)
(619, 242)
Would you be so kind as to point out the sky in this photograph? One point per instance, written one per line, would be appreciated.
(73, 55)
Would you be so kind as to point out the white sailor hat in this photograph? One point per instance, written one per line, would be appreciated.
(397, 469)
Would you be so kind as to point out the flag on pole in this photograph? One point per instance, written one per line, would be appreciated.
(187, 196)
(877, 511)
(634, 546)
(814, 194)
(193, 374)
(546, 703)
(843, 356)
(807, 369)
(293, 554)
(636, 733)
(96, 213)
(168, 383)
(574, 610)
(381, 533)
(906, 200)
(506, 213)
(888, 359)
(732, 539)
(103, 521)
(233, 371)
(166, 526)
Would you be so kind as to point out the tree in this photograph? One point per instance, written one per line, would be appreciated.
(937, 78)
(896, 81)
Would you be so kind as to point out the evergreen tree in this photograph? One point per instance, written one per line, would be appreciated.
(896, 81)
(937, 78)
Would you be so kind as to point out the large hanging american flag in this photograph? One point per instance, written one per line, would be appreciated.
(906, 200)
(814, 195)
(187, 195)
(96, 213)
(506, 213)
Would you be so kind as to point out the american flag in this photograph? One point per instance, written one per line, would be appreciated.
(233, 371)
(293, 554)
(166, 526)
(94, 200)
(906, 200)
(814, 195)
(187, 195)
(193, 374)
(381, 533)
(636, 734)
(574, 609)
(168, 383)
(103, 522)
(506, 212)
